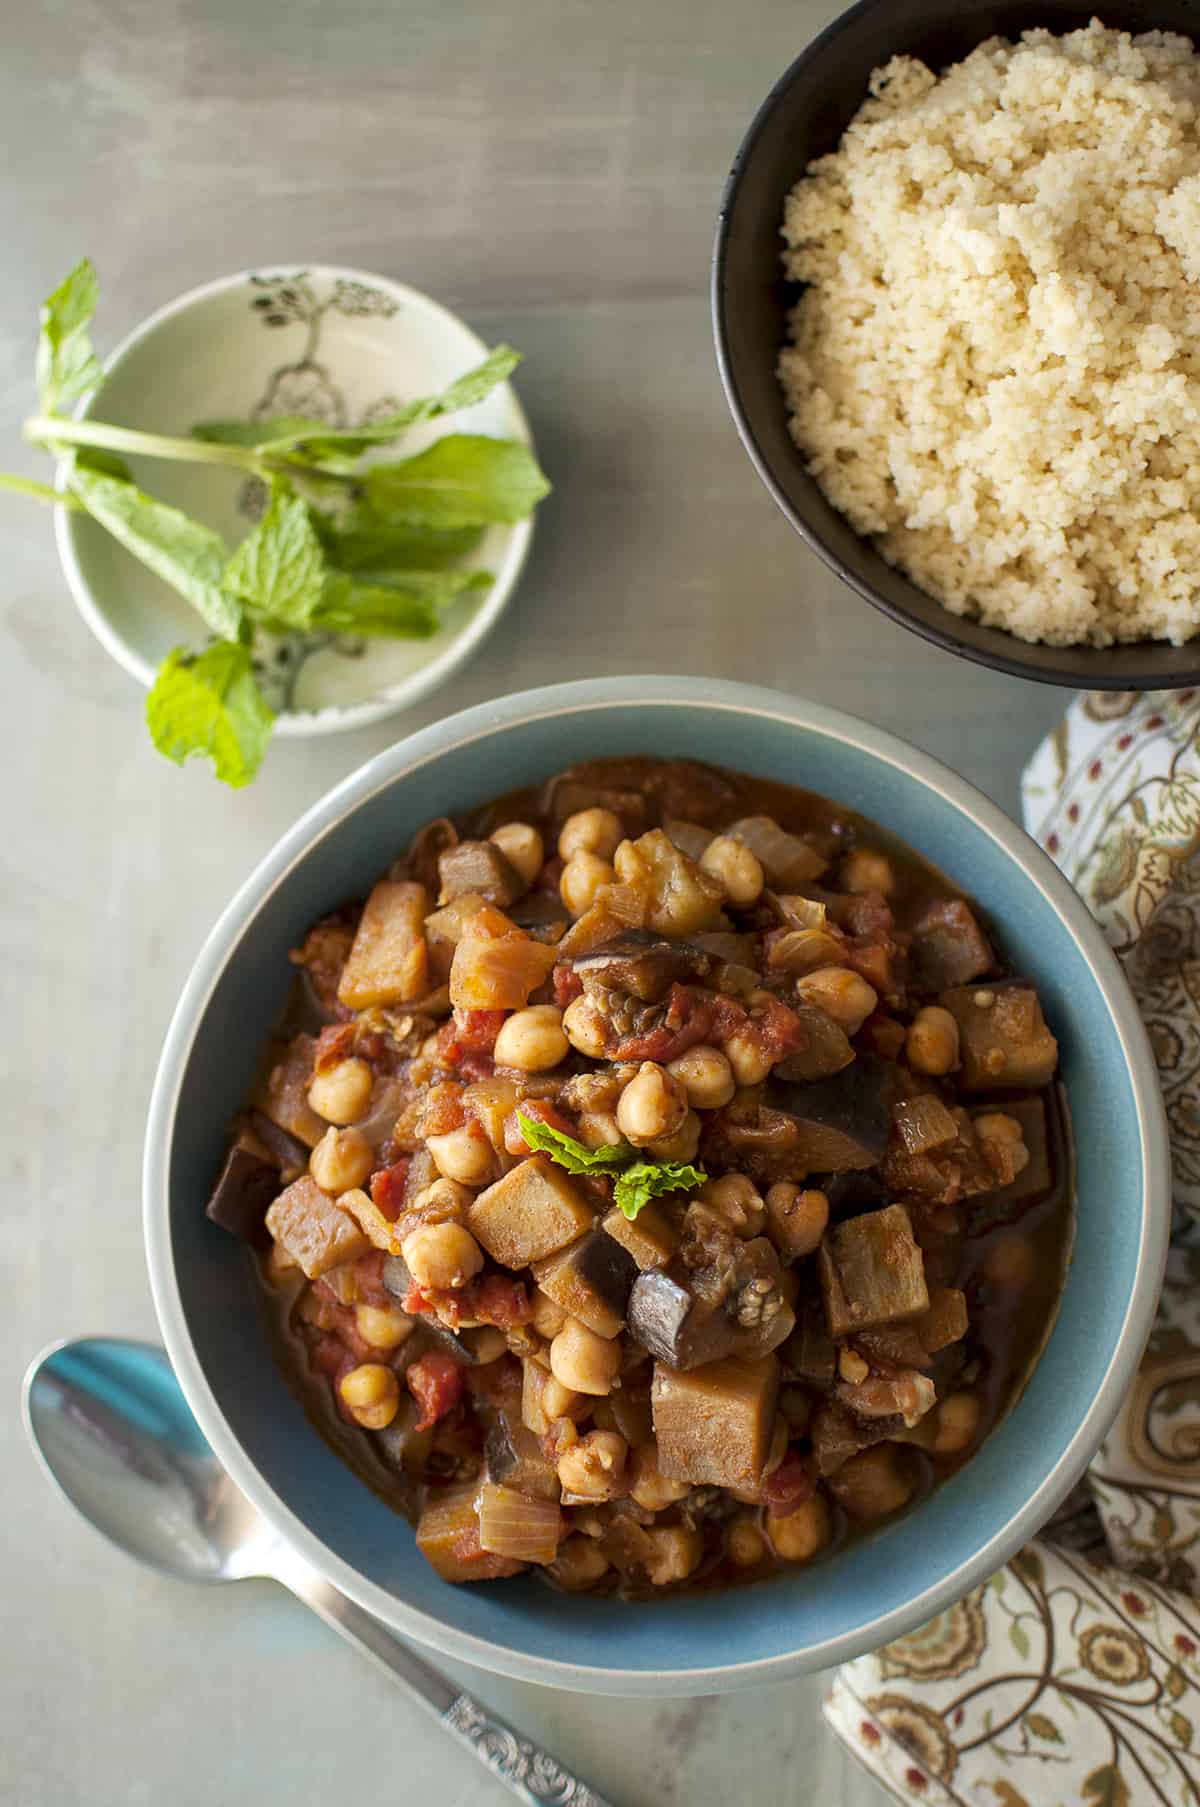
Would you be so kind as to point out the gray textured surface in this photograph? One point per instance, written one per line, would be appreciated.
(551, 169)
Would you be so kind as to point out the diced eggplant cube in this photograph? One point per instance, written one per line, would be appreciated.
(826, 1050)
(679, 1325)
(871, 1272)
(246, 1187)
(1003, 1038)
(313, 1230)
(288, 1152)
(842, 1122)
(713, 1425)
(515, 1458)
(282, 1094)
(945, 1321)
(949, 947)
(479, 869)
(389, 962)
(531, 1212)
(643, 964)
(651, 1237)
(591, 1280)
(809, 1353)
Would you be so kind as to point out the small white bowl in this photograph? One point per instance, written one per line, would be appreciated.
(340, 345)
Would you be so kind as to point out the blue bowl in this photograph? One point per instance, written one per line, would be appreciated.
(803, 1620)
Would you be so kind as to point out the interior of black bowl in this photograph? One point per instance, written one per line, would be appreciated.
(804, 117)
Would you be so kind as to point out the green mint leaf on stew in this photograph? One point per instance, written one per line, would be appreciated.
(67, 367)
(572, 1154)
(462, 480)
(316, 443)
(208, 704)
(397, 605)
(645, 1180)
(279, 568)
(360, 541)
(184, 553)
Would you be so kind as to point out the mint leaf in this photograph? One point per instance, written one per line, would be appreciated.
(279, 568)
(645, 1180)
(405, 606)
(67, 367)
(209, 704)
(572, 1154)
(99, 458)
(256, 432)
(184, 553)
(360, 541)
(462, 480)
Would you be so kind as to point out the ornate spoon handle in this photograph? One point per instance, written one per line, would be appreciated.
(532, 1774)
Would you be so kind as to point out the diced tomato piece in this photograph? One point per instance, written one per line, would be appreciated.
(778, 1028)
(368, 1272)
(330, 1357)
(436, 1383)
(476, 1066)
(869, 913)
(502, 1301)
(567, 985)
(542, 1111)
(793, 1482)
(388, 1188)
(873, 960)
(468, 1035)
(442, 1109)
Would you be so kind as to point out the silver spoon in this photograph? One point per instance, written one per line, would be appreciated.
(113, 1431)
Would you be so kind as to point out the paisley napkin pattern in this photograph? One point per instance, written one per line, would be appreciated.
(1073, 1676)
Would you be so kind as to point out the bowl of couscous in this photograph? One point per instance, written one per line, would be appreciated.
(956, 293)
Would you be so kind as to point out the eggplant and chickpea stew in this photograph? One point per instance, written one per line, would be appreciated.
(658, 1180)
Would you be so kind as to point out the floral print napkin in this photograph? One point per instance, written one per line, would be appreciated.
(1073, 1676)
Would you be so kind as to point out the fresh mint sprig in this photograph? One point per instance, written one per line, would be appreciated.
(342, 548)
(636, 1181)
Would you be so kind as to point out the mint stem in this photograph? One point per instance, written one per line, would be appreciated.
(52, 431)
(43, 492)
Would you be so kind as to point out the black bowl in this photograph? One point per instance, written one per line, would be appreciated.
(803, 117)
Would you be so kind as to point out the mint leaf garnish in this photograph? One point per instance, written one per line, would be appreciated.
(279, 568)
(208, 704)
(637, 1180)
(67, 367)
(183, 552)
(462, 480)
(569, 1153)
(645, 1180)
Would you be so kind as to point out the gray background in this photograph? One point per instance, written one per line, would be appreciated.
(550, 169)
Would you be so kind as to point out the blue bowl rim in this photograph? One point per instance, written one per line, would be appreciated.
(389, 768)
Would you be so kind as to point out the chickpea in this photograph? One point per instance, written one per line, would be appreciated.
(705, 1075)
(681, 1146)
(650, 1487)
(736, 1199)
(546, 1316)
(748, 1060)
(443, 1201)
(522, 847)
(841, 994)
(796, 1218)
(559, 1401)
(652, 1105)
(440, 1255)
(1004, 1144)
(371, 1393)
(341, 1093)
(462, 1154)
(735, 869)
(851, 1366)
(341, 1160)
(582, 877)
(599, 1129)
(873, 1483)
(594, 1468)
(744, 1542)
(532, 1039)
(675, 1552)
(931, 1045)
(580, 1562)
(800, 1535)
(596, 831)
(585, 1028)
(584, 1362)
(957, 1423)
(864, 870)
(486, 1342)
(383, 1326)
